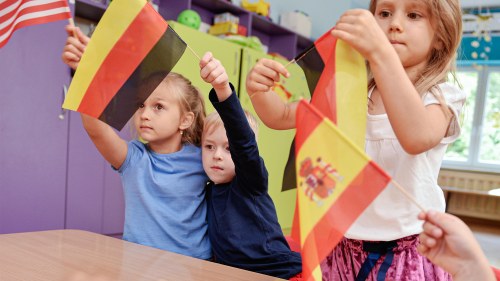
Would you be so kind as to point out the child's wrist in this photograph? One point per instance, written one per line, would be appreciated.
(222, 87)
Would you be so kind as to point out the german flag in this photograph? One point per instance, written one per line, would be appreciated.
(336, 77)
(336, 182)
(131, 43)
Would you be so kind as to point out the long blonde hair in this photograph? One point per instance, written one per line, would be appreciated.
(190, 100)
(446, 19)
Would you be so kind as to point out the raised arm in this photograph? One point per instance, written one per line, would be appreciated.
(212, 71)
(107, 141)
(401, 100)
(270, 108)
(249, 166)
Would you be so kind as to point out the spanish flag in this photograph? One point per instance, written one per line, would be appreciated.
(131, 43)
(336, 182)
(337, 79)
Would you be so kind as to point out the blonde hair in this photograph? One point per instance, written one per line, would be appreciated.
(189, 97)
(213, 121)
(446, 19)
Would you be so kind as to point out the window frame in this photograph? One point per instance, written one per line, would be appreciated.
(472, 163)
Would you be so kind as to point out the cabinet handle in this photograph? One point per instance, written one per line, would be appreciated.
(62, 114)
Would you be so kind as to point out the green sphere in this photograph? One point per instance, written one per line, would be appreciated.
(189, 18)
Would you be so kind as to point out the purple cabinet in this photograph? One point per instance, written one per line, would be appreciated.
(85, 179)
(51, 175)
(94, 195)
(33, 139)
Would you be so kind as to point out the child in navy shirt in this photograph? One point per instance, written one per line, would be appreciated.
(243, 225)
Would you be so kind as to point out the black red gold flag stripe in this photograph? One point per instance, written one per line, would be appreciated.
(131, 43)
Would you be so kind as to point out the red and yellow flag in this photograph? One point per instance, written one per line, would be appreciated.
(336, 182)
(337, 79)
(131, 43)
(15, 14)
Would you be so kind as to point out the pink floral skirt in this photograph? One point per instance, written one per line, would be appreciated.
(346, 260)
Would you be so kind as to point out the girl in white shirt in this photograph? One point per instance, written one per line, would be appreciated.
(412, 117)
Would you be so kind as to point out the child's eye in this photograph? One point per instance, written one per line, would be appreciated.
(227, 148)
(159, 107)
(385, 14)
(209, 146)
(141, 105)
(414, 16)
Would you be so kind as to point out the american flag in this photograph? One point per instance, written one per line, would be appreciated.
(15, 14)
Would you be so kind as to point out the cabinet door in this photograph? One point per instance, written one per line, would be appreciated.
(274, 145)
(33, 139)
(85, 180)
(95, 193)
(113, 213)
(228, 53)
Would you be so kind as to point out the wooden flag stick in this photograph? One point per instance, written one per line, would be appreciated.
(72, 23)
(290, 62)
(192, 51)
(408, 195)
(299, 58)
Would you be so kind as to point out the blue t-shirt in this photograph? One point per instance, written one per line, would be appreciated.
(243, 225)
(165, 203)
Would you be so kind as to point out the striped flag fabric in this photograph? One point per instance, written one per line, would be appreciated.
(131, 43)
(15, 14)
(337, 80)
(336, 182)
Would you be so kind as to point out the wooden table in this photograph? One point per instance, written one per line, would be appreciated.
(75, 255)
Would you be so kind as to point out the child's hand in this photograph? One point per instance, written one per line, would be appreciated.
(264, 75)
(361, 31)
(212, 71)
(75, 46)
(449, 243)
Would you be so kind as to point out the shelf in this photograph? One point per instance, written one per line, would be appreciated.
(278, 38)
(89, 9)
(303, 43)
(218, 6)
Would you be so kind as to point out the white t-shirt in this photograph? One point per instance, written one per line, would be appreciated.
(391, 215)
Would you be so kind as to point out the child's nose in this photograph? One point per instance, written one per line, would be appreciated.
(144, 113)
(396, 23)
(218, 154)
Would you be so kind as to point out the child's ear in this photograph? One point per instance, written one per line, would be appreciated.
(187, 120)
(438, 45)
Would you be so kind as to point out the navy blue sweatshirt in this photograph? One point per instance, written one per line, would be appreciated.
(242, 221)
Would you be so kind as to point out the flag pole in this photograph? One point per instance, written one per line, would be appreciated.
(408, 195)
(192, 51)
(300, 57)
(290, 62)
(72, 23)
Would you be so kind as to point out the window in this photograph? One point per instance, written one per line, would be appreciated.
(478, 147)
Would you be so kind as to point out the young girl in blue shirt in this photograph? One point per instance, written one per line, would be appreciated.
(163, 179)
